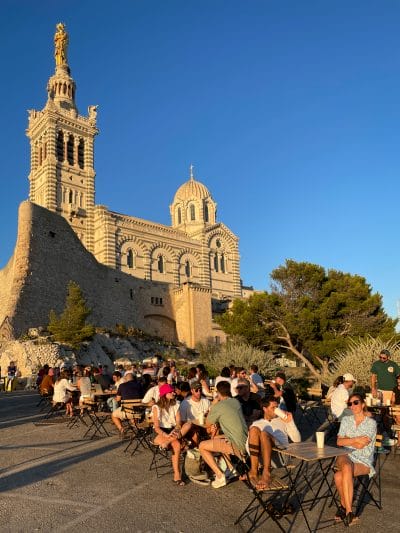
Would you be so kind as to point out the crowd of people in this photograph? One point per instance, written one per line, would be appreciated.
(239, 414)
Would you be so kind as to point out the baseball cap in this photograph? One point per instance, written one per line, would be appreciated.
(349, 377)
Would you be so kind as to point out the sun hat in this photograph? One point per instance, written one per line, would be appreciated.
(166, 389)
(349, 377)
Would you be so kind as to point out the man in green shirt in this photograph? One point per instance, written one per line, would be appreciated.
(383, 376)
(227, 413)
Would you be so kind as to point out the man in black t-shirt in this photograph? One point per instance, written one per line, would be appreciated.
(131, 389)
(250, 401)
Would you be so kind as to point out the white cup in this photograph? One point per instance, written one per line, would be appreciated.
(320, 437)
(388, 403)
(281, 413)
(368, 401)
(201, 419)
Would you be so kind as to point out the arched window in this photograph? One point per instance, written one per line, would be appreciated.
(81, 153)
(205, 212)
(192, 212)
(222, 262)
(60, 146)
(216, 263)
(130, 259)
(187, 269)
(179, 215)
(160, 264)
(70, 150)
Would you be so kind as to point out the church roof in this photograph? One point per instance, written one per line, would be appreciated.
(191, 189)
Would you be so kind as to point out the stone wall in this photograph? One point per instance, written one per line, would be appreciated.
(48, 255)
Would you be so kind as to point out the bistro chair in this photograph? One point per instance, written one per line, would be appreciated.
(272, 502)
(370, 489)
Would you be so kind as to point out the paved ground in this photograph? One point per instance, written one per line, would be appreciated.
(51, 480)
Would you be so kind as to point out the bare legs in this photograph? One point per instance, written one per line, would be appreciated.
(216, 445)
(260, 445)
(347, 471)
(169, 440)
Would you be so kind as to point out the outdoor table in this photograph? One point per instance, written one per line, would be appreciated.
(308, 453)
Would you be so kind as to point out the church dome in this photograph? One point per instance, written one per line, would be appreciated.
(191, 189)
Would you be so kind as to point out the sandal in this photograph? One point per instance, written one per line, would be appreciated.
(340, 514)
(179, 482)
(349, 520)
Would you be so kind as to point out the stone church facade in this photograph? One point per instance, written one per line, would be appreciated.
(196, 255)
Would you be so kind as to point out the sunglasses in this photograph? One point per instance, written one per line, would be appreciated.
(355, 402)
(196, 390)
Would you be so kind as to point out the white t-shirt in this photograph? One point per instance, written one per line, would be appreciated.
(281, 431)
(61, 389)
(167, 419)
(339, 400)
(234, 383)
(191, 410)
(152, 394)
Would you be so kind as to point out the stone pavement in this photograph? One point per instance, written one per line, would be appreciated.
(52, 480)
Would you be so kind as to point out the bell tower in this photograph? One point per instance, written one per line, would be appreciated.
(62, 176)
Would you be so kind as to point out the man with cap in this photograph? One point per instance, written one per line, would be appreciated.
(383, 376)
(340, 396)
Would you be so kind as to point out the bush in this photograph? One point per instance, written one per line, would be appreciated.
(358, 359)
(216, 356)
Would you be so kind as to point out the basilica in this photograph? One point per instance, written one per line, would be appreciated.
(194, 248)
(174, 276)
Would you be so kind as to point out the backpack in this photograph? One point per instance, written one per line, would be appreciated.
(193, 467)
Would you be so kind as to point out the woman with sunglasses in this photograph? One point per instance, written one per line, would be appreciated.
(168, 427)
(357, 432)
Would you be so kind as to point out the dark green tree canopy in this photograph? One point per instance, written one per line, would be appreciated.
(309, 312)
(71, 328)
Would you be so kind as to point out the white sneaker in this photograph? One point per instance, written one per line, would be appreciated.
(219, 482)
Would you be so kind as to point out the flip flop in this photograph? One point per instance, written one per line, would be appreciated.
(179, 482)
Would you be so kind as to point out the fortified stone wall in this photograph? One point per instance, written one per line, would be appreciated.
(48, 255)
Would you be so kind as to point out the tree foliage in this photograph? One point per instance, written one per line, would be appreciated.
(70, 327)
(310, 313)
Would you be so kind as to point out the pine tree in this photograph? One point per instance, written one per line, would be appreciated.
(71, 328)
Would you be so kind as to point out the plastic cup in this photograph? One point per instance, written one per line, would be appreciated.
(368, 401)
(320, 438)
(281, 413)
(201, 419)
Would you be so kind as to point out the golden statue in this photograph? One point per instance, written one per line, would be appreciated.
(61, 43)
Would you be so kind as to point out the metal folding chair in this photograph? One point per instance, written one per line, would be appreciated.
(271, 502)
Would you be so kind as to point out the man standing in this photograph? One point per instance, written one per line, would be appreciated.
(383, 376)
(284, 392)
(227, 413)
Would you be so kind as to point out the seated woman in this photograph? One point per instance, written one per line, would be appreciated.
(357, 432)
(61, 394)
(167, 425)
(85, 386)
(46, 383)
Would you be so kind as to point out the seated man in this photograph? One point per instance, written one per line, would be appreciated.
(153, 394)
(250, 401)
(264, 434)
(182, 390)
(227, 413)
(194, 408)
(131, 389)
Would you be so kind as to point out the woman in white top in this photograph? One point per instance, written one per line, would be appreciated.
(85, 386)
(61, 394)
(167, 425)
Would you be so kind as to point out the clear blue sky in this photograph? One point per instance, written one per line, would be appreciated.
(289, 111)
